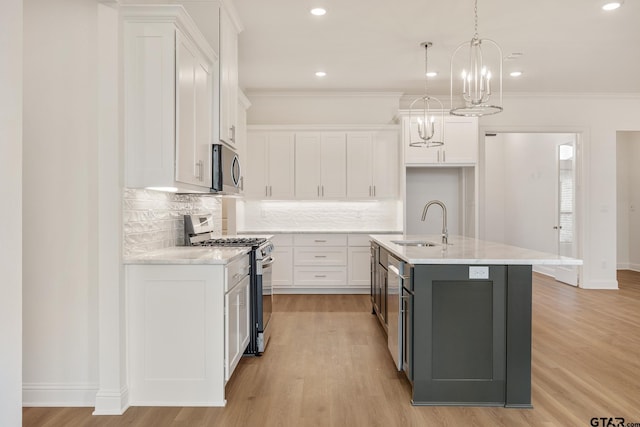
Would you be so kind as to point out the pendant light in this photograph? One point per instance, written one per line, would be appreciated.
(473, 76)
(422, 117)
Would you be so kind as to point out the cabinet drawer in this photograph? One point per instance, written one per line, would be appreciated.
(320, 276)
(359, 240)
(280, 240)
(320, 240)
(316, 256)
(236, 271)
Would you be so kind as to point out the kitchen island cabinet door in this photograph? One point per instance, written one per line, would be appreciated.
(460, 335)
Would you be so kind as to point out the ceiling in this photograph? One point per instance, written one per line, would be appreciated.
(568, 46)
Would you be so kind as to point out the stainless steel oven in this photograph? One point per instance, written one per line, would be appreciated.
(264, 298)
(199, 231)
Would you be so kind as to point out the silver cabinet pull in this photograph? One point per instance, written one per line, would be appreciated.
(266, 190)
(374, 191)
(318, 190)
(370, 194)
(444, 156)
(320, 275)
(320, 241)
(270, 191)
(438, 156)
(232, 130)
(320, 256)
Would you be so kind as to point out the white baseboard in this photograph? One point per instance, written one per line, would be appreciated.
(599, 284)
(109, 402)
(215, 404)
(623, 266)
(324, 291)
(51, 394)
(633, 267)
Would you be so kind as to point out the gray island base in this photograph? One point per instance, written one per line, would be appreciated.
(472, 338)
(458, 316)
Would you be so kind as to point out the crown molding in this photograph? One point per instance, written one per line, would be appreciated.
(324, 127)
(320, 94)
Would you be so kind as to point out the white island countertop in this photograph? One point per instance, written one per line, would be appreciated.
(465, 250)
(188, 255)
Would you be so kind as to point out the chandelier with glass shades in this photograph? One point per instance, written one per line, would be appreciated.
(422, 120)
(473, 65)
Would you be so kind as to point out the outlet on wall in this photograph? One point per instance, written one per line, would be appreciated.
(478, 272)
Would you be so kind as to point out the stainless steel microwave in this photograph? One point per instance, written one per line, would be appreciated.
(226, 172)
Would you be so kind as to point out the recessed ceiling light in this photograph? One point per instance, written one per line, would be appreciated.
(318, 11)
(320, 74)
(612, 5)
(432, 74)
(515, 73)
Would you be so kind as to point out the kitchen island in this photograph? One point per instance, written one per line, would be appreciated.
(459, 321)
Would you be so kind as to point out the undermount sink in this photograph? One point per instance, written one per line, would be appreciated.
(413, 243)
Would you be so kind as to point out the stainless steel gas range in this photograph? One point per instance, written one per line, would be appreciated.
(199, 232)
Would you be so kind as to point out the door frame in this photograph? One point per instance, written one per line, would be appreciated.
(583, 185)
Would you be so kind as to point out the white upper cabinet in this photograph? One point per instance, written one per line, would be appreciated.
(372, 164)
(193, 114)
(229, 29)
(168, 95)
(320, 165)
(269, 165)
(460, 143)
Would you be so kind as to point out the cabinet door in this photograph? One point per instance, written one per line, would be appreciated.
(333, 165)
(461, 145)
(186, 63)
(243, 315)
(231, 331)
(203, 82)
(282, 276)
(307, 165)
(420, 154)
(255, 173)
(228, 78)
(150, 83)
(385, 164)
(193, 114)
(280, 158)
(360, 267)
(359, 165)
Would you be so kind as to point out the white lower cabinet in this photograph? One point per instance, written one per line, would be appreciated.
(236, 325)
(282, 274)
(359, 262)
(187, 328)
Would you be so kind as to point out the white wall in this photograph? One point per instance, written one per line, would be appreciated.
(596, 118)
(628, 200)
(11, 213)
(60, 202)
(425, 184)
(522, 183)
(292, 108)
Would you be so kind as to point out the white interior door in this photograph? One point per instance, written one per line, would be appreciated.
(566, 214)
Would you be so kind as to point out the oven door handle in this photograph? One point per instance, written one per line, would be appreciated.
(267, 261)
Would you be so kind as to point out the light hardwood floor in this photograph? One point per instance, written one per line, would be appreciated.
(327, 365)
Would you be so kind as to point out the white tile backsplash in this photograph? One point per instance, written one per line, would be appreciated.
(154, 219)
(321, 216)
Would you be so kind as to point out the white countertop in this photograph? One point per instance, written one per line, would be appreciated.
(320, 232)
(465, 250)
(188, 255)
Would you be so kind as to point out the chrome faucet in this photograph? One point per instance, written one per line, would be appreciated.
(445, 233)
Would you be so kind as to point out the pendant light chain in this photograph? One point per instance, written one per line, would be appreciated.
(475, 12)
(426, 68)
